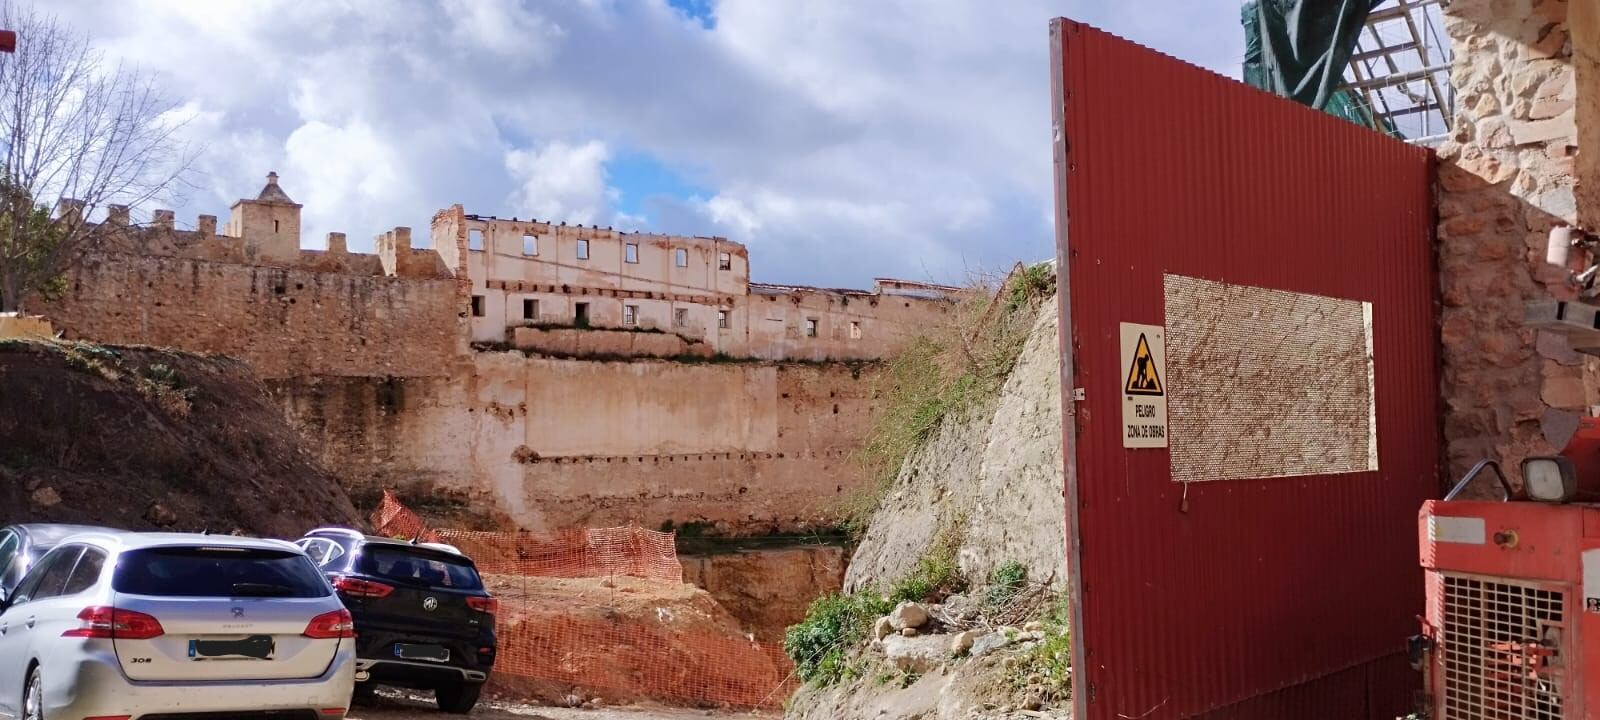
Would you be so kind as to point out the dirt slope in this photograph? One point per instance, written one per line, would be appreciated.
(997, 468)
(142, 438)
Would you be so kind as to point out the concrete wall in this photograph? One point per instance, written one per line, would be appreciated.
(753, 448)
(1526, 91)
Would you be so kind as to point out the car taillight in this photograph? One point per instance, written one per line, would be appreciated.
(331, 625)
(362, 588)
(484, 604)
(112, 623)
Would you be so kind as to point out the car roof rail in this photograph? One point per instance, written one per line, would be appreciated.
(337, 530)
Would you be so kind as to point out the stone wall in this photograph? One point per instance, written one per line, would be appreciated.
(750, 448)
(283, 321)
(1508, 175)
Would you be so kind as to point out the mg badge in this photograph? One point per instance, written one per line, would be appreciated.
(238, 612)
(430, 604)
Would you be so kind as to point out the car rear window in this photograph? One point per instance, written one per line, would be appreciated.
(218, 572)
(412, 567)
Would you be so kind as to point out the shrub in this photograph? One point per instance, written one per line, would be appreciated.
(820, 645)
(952, 366)
(1004, 584)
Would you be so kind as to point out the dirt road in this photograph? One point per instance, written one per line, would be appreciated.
(392, 706)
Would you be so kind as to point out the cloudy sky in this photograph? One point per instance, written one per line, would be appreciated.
(839, 139)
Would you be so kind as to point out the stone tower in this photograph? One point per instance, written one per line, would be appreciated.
(269, 224)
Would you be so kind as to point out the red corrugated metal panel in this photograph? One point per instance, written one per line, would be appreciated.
(1284, 597)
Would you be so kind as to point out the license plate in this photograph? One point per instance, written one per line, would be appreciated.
(255, 647)
(428, 653)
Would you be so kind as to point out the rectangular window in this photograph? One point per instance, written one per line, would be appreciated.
(477, 306)
(811, 327)
(583, 249)
(630, 315)
(630, 253)
(475, 240)
(530, 309)
(218, 572)
(724, 261)
(680, 317)
(722, 319)
(680, 257)
(530, 245)
(855, 330)
(580, 315)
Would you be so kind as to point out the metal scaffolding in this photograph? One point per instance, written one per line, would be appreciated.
(1401, 70)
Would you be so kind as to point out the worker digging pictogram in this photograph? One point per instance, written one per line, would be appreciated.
(1143, 378)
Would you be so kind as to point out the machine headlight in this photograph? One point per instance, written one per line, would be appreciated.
(1549, 479)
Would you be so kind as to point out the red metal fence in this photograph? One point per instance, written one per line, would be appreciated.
(1269, 597)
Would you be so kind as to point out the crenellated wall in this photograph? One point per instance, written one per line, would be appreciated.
(370, 356)
(323, 312)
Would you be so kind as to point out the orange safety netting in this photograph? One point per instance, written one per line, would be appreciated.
(606, 611)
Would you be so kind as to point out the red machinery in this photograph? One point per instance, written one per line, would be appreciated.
(1511, 586)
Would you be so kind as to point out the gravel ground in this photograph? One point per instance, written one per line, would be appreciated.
(390, 705)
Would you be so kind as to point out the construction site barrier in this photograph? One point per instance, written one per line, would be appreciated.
(605, 638)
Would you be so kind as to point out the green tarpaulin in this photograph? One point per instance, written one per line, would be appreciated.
(1300, 48)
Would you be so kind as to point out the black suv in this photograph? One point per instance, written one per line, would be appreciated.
(423, 618)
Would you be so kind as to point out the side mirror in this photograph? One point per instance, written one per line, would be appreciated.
(1549, 479)
(5, 601)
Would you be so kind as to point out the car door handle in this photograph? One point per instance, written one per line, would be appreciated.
(2, 628)
(30, 622)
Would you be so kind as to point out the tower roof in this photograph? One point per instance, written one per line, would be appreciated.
(273, 193)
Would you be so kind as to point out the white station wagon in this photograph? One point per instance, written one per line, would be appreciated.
(123, 626)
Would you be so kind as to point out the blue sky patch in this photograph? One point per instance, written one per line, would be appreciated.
(696, 9)
(639, 177)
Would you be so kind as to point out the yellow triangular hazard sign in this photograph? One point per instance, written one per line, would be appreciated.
(1143, 379)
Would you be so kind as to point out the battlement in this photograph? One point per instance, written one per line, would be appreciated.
(264, 232)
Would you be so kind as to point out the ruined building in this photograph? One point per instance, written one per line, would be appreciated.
(561, 375)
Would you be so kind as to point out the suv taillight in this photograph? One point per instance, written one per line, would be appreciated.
(111, 623)
(487, 605)
(362, 588)
(330, 625)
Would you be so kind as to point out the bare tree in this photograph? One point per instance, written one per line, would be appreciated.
(72, 126)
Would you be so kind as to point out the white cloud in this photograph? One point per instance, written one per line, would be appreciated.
(562, 181)
(838, 139)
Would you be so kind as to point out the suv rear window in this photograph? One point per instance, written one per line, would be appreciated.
(218, 572)
(411, 567)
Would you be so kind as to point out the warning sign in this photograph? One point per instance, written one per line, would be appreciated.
(1144, 390)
